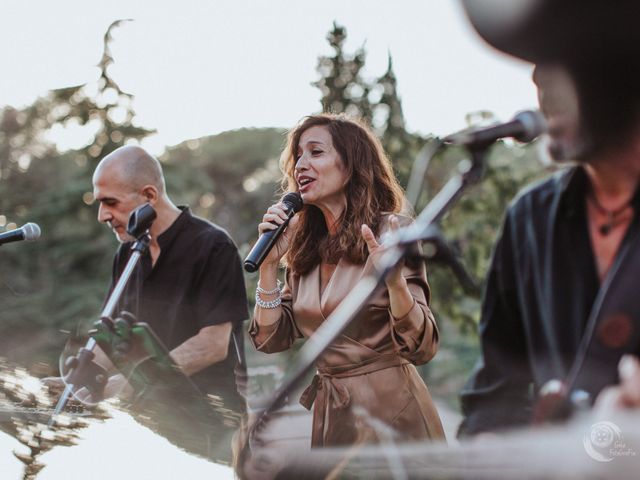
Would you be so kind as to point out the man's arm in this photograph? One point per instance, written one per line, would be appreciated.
(221, 303)
(210, 345)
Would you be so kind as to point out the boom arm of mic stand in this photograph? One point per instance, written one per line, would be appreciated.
(352, 304)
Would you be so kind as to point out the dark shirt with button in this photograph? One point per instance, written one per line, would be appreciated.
(541, 287)
(197, 281)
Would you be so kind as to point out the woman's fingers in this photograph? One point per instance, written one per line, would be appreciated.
(369, 238)
(393, 223)
(629, 370)
(275, 216)
(278, 210)
(394, 277)
(265, 227)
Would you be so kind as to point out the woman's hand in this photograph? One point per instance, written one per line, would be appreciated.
(625, 395)
(276, 215)
(394, 279)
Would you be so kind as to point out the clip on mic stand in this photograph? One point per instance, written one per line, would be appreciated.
(399, 242)
(83, 371)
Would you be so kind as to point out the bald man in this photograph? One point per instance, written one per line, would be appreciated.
(189, 286)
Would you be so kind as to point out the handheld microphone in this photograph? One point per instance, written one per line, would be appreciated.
(293, 202)
(28, 232)
(524, 127)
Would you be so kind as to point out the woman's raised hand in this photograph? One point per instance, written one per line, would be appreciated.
(394, 278)
(276, 215)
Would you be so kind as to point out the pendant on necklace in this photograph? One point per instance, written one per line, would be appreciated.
(605, 229)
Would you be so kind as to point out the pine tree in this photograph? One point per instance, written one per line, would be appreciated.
(401, 145)
(341, 84)
(377, 102)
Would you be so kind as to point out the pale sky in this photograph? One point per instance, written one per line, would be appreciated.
(202, 67)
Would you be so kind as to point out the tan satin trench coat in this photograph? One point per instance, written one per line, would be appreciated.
(370, 365)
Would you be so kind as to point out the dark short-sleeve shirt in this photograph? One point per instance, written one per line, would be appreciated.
(539, 295)
(197, 281)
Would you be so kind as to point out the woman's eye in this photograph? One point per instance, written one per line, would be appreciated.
(316, 152)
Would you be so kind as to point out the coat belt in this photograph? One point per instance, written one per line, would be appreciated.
(324, 389)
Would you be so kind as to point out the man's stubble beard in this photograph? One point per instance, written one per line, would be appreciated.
(581, 150)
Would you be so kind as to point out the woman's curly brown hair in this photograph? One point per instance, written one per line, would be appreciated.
(371, 189)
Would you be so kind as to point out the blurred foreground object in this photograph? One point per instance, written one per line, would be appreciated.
(557, 30)
(590, 447)
(627, 393)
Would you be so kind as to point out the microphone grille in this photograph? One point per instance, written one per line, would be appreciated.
(533, 125)
(31, 231)
(294, 200)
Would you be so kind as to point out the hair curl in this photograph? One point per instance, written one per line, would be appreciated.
(371, 189)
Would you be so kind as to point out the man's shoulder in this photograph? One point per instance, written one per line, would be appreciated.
(205, 231)
(539, 196)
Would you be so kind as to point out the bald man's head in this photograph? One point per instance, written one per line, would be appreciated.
(132, 167)
(125, 179)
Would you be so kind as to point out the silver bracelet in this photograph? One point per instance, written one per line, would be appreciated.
(278, 289)
(270, 304)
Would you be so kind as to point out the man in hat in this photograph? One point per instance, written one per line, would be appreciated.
(559, 311)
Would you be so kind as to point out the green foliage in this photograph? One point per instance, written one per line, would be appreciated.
(238, 177)
(473, 223)
(230, 178)
(345, 90)
(60, 280)
(471, 226)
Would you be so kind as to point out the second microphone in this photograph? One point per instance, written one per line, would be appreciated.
(293, 203)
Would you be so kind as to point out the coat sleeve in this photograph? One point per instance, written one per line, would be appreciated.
(415, 335)
(280, 335)
(498, 394)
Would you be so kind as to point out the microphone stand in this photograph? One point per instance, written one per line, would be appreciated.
(83, 370)
(440, 252)
(419, 169)
(399, 242)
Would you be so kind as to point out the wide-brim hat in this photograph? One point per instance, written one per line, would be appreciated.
(559, 30)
